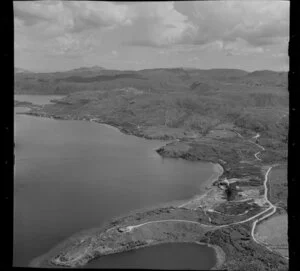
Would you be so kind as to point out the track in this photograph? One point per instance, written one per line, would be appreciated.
(271, 207)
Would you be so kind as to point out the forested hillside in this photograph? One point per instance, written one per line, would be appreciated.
(175, 101)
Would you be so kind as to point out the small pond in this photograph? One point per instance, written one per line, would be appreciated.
(164, 256)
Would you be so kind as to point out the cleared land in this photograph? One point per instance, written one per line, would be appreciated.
(273, 232)
(278, 186)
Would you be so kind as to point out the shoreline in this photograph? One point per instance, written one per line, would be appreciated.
(204, 187)
(220, 255)
(48, 258)
(207, 185)
(108, 126)
(218, 172)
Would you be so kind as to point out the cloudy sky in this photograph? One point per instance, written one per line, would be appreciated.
(62, 35)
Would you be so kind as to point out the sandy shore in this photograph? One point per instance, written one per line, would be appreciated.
(109, 126)
(205, 186)
(218, 171)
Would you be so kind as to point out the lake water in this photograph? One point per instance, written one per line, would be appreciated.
(170, 256)
(75, 175)
(37, 99)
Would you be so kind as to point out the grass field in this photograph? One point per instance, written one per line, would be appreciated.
(278, 186)
(274, 233)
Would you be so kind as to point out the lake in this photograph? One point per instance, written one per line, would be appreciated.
(182, 256)
(37, 99)
(75, 175)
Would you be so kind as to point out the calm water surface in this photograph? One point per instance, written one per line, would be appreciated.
(75, 175)
(37, 99)
(165, 256)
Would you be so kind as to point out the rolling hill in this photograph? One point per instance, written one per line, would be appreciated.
(176, 101)
(176, 79)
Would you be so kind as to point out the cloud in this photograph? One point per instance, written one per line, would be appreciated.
(98, 14)
(70, 45)
(77, 27)
(114, 53)
(258, 23)
(32, 13)
(241, 47)
(158, 25)
(73, 16)
(193, 59)
(147, 24)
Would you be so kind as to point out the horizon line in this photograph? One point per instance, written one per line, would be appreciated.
(156, 68)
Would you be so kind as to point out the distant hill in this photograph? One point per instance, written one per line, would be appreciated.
(227, 73)
(185, 99)
(155, 80)
(20, 70)
(266, 77)
(87, 69)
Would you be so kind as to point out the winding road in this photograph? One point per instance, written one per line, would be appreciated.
(257, 156)
(271, 207)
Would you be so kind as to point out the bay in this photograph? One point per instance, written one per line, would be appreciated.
(75, 175)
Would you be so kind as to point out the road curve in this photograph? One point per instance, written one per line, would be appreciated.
(130, 228)
(270, 207)
(256, 155)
